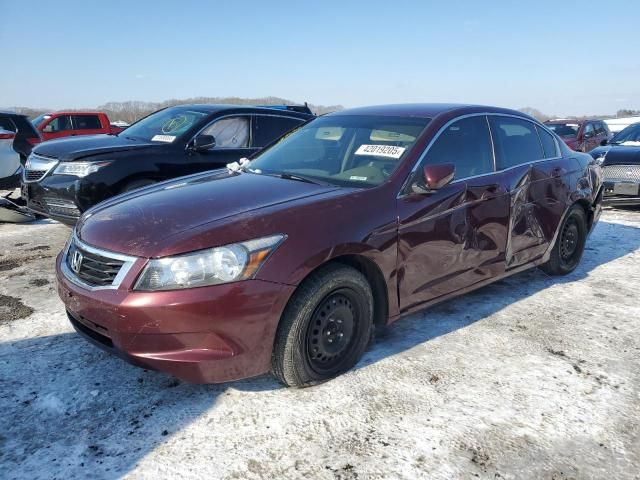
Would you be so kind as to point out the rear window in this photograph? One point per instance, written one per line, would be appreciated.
(7, 124)
(517, 141)
(86, 122)
(548, 143)
(569, 129)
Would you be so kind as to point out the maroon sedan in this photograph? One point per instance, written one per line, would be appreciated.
(287, 264)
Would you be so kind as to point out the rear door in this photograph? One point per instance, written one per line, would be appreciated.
(88, 124)
(528, 159)
(454, 237)
(268, 128)
(56, 127)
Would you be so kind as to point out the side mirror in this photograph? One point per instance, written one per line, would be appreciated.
(203, 142)
(48, 129)
(604, 142)
(434, 177)
(588, 134)
(438, 176)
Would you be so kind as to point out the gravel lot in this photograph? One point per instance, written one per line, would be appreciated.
(532, 377)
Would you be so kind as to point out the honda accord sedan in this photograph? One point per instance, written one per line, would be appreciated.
(289, 262)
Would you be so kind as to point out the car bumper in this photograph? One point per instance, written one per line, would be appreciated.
(612, 195)
(200, 335)
(56, 197)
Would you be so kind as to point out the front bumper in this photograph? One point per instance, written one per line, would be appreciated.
(55, 196)
(611, 197)
(200, 335)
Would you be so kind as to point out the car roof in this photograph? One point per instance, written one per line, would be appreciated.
(573, 120)
(426, 110)
(219, 107)
(6, 112)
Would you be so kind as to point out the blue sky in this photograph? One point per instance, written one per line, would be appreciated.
(564, 57)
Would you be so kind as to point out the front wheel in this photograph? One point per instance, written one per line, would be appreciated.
(325, 328)
(567, 251)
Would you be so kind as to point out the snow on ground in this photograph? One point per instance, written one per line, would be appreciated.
(531, 377)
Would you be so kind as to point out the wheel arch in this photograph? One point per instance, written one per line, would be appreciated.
(372, 273)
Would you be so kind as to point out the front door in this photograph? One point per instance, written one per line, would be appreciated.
(233, 142)
(454, 237)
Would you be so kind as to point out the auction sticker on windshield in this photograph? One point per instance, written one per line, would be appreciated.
(390, 151)
(163, 138)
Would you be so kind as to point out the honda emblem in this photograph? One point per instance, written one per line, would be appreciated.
(76, 261)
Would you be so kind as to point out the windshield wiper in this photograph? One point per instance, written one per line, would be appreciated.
(298, 178)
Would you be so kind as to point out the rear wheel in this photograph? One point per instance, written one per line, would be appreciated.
(325, 328)
(567, 251)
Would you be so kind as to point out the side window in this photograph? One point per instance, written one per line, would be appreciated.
(268, 128)
(59, 124)
(589, 131)
(467, 145)
(86, 122)
(516, 141)
(230, 132)
(548, 143)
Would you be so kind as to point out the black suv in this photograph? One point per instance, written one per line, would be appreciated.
(63, 178)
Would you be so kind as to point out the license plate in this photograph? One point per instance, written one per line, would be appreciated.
(626, 189)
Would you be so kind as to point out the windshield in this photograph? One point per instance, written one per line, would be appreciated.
(39, 119)
(165, 125)
(349, 150)
(629, 134)
(564, 129)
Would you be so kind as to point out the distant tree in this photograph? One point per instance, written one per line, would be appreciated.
(535, 113)
(627, 113)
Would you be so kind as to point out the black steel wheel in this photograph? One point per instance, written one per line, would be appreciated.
(569, 246)
(325, 328)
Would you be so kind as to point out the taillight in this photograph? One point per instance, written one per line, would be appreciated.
(7, 136)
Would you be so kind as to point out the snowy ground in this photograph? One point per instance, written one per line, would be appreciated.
(532, 377)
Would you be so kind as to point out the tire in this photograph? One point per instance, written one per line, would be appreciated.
(325, 328)
(137, 184)
(569, 246)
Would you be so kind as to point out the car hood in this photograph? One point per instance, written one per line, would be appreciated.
(77, 148)
(618, 154)
(141, 223)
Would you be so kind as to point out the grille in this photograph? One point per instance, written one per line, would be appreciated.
(37, 167)
(622, 173)
(34, 175)
(93, 269)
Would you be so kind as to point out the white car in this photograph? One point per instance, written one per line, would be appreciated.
(10, 166)
(17, 137)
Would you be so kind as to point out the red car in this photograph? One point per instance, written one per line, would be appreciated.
(69, 124)
(288, 263)
(581, 135)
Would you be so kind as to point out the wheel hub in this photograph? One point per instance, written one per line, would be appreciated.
(331, 331)
(569, 240)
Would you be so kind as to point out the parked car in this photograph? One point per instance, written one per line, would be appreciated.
(620, 160)
(348, 223)
(581, 135)
(64, 178)
(71, 124)
(17, 137)
(618, 124)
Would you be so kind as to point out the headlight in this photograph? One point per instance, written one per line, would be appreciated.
(230, 263)
(79, 169)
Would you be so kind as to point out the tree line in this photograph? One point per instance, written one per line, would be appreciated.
(133, 110)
